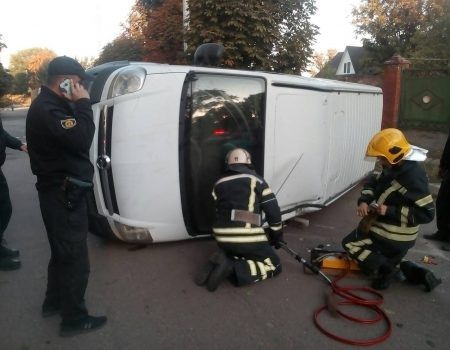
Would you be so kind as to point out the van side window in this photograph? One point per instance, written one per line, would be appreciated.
(223, 112)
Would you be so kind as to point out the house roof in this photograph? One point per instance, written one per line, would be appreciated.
(356, 53)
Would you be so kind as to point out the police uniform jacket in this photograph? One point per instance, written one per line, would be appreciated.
(404, 190)
(59, 136)
(445, 158)
(242, 189)
(6, 140)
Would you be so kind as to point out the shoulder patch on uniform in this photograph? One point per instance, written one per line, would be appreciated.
(68, 123)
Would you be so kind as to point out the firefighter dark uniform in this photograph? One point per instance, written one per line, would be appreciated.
(8, 257)
(241, 196)
(443, 201)
(59, 135)
(380, 242)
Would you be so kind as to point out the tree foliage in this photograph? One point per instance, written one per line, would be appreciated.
(5, 81)
(394, 26)
(120, 49)
(2, 45)
(434, 41)
(320, 63)
(5, 77)
(270, 35)
(164, 32)
(33, 62)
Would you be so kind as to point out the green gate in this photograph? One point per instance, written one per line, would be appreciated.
(425, 100)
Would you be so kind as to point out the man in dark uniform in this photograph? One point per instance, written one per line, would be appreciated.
(393, 204)
(443, 201)
(8, 257)
(246, 254)
(59, 132)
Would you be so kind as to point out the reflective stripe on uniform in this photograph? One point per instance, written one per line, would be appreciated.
(365, 253)
(276, 227)
(238, 230)
(424, 201)
(266, 192)
(240, 176)
(404, 216)
(251, 199)
(367, 192)
(241, 239)
(395, 186)
(252, 266)
(262, 270)
(395, 233)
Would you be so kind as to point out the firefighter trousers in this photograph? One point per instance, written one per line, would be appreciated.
(252, 262)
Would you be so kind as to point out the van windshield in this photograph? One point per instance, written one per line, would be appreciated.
(221, 113)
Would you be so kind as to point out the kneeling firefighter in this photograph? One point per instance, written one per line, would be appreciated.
(393, 204)
(245, 255)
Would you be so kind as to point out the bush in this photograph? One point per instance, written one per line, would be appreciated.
(14, 100)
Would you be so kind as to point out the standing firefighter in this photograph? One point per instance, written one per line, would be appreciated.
(393, 204)
(246, 254)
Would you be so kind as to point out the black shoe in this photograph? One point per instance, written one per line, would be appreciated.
(446, 247)
(7, 263)
(430, 281)
(86, 324)
(386, 279)
(8, 252)
(437, 236)
(214, 260)
(222, 271)
(49, 309)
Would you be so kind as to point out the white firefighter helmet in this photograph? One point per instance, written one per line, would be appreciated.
(238, 156)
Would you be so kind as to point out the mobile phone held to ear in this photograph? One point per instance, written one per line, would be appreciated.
(66, 87)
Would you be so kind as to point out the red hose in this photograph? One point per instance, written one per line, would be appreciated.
(350, 298)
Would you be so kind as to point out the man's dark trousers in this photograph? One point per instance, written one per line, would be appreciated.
(443, 208)
(5, 205)
(68, 269)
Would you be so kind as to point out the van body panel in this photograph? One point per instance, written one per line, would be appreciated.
(167, 143)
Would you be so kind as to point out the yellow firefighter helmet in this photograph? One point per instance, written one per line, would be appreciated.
(389, 143)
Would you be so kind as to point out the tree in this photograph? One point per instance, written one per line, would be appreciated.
(2, 45)
(5, 81)
(319, 63)
(164, 32)
(122, 48)
(269, 35)
(33, 62)
(390, 26)
(5, 77)
(433, 42)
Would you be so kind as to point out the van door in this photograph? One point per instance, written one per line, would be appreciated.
(218, 113)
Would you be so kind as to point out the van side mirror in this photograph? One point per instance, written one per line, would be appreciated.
(208, 55)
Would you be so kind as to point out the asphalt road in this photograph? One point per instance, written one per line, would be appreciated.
(152, 303)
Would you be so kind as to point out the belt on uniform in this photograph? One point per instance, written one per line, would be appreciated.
(246, 216)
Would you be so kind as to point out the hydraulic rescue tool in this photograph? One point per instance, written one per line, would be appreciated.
(348, 296)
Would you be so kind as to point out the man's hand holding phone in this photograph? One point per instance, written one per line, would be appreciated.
(73, 91)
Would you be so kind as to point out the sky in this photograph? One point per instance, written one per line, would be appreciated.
(83, 27)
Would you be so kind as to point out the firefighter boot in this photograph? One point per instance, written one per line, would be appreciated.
(203, 275)
(7, 263)
(387, 277)
(416, 274)
(222, 270)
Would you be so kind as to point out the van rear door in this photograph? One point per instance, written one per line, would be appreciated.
(219, 113)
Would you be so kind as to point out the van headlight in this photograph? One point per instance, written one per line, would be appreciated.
(130, 79)
(133, 234)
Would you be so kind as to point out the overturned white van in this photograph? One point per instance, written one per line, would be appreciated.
(163, 132)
